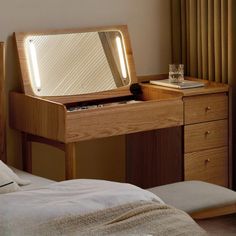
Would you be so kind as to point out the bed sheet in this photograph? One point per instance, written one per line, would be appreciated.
(36, 181)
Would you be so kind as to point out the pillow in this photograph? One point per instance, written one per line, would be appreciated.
(11, 175)
(7, 185)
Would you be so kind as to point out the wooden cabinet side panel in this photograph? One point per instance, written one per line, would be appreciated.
(155, 157)
(37, 116)
(3, 155)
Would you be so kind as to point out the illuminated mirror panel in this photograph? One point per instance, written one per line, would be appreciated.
(76, 63)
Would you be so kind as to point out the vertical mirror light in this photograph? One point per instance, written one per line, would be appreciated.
(121, 57)
(34, 64)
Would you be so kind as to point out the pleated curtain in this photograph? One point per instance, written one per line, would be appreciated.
(204, 40)
(203, 34)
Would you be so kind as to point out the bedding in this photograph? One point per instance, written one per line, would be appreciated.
(11, 175)
(91, 207)
(7, 185)
(35, 181)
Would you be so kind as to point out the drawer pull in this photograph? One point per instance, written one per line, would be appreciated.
(208, 109)
(207, 132)
(207, 160)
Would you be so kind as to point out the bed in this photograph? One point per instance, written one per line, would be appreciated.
(83, 207)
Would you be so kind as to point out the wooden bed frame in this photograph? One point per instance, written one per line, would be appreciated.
(3, 155)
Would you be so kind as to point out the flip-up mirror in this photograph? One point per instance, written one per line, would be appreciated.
(75, 62)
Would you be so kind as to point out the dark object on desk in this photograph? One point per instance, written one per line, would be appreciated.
(135, 89)
(182, 85)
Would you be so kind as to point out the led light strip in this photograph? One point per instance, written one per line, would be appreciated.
(121, 57)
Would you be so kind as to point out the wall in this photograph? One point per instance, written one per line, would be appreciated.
(149, 27)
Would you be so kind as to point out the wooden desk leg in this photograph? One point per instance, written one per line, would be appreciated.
(70, 161)
(26, 153)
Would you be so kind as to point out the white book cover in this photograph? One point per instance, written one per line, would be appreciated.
(182, 85)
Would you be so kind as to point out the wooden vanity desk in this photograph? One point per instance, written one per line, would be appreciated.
(49, 122)
(62, 121)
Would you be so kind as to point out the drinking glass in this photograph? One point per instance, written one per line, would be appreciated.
(176, 73)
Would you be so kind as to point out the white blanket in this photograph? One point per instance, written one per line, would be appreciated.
(78, 197)
(11, 175)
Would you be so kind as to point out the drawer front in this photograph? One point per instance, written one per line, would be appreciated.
(209, 165)
(205, 108)
(205, 135)
(123, 119)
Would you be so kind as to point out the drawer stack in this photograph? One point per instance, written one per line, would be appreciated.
(206, 138)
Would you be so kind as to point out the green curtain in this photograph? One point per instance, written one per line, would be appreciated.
(204, 40)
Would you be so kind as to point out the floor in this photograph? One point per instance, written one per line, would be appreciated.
(224, 225)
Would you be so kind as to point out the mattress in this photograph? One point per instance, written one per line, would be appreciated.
(36, 181)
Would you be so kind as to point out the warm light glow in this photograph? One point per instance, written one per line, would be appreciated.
(35, 68)
(121, 57)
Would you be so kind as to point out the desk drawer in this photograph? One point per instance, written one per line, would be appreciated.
(205, 135)
(123, 119)
(209, 165)
(205, 108)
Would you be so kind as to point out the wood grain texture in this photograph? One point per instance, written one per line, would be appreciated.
(26, 153)
(155, 157)
(155, 93)
(209, 88)
(214, 212)
(70, 161)
(205, 135)
(209, 165)
(205, 108)
(37, 116)
(25, 74)
(123, 119)
(3, 155)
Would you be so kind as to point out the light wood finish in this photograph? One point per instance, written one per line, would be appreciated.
(201, 105)
(123, 91)
(214, 212)
(70, 161)
(206, 144)
(205, 135)
(209, 165)
(154, 93)
(48, 118)
(123, 119)
(119, 92)
(205, 108)
(52, 121)
(209, 88)
(3, 155)
(37, 116)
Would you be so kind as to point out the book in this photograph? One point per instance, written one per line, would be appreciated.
(182, 85)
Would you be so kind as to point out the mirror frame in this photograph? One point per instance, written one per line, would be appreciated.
(25, 75)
